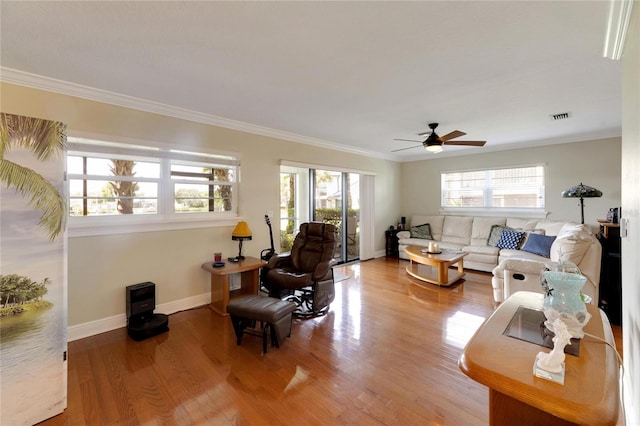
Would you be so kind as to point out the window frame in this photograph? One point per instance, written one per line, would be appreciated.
(165, 218)
(489, 210)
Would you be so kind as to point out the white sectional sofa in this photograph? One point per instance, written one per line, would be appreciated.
(477, 236)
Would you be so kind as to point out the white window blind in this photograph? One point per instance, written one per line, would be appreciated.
(508, 188)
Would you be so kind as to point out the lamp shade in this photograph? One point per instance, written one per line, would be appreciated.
(581, 191)
(241, 232)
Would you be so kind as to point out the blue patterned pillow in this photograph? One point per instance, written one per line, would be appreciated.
(510, 239)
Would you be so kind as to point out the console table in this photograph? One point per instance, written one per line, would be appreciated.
(248, 268)
(590, 394)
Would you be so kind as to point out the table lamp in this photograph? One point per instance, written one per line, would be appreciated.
(241, 233)
(581, 191)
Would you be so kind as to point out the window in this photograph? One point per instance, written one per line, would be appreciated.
(519, 188)
(102, 186)
(202, 188)
(111, 183)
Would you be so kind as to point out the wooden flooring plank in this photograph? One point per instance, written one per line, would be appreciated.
(385, 354)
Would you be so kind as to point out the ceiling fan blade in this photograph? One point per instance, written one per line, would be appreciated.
(466, 143)
(408, 140)
(451, 135)
(404, 149)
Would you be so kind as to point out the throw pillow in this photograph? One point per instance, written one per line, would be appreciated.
(539, 244)
(494, 234)
(421, 231)
(526, 236)
(510, 239)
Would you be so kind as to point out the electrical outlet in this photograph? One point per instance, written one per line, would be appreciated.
(270, 213)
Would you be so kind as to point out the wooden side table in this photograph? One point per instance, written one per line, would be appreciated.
(391, 242)
(505, 364)
(249, 270)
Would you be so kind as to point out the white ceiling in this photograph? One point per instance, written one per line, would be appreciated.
(350, 74)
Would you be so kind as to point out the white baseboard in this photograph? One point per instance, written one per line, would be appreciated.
(91, 328)
(631, 416)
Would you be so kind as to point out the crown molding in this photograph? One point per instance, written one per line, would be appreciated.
(21, 78)
(617, 28)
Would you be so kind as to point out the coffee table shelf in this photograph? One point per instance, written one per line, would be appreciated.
(434, 268)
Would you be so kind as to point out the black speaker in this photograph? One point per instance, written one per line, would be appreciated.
(141, 321)
(403, 220)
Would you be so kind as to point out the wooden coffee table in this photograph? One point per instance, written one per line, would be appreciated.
(434, 268)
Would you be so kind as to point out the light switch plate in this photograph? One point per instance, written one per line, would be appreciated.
(624, 227)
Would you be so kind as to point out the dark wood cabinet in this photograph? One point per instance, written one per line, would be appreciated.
(610, 300)
(391, 237)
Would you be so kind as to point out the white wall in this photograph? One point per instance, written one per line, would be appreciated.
(100, 267)
(631, 211)
(595, 163)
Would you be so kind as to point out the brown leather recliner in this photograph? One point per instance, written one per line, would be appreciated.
(306, 275)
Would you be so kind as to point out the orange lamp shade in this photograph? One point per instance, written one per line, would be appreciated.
(241, 232)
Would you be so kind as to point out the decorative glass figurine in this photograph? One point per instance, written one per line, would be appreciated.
(563, 300)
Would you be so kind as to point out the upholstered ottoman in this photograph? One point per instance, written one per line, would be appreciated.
(275, 316)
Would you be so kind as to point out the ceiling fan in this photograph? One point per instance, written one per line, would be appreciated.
(434, 143)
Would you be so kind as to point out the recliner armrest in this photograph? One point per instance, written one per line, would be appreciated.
(403, 234)
(322, 269)
(529, 266)
(279, 261)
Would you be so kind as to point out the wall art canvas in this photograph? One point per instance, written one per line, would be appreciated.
(33, 306)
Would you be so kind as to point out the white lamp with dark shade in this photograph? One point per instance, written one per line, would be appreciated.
(581, 191)
(241, 233)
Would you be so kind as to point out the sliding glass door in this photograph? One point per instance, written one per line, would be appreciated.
(333, 202)
(321, 195)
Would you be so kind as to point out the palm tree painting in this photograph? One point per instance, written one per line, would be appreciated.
(32, 269)
(46, 139)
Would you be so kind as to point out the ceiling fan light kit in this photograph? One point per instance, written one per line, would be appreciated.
(434, 143)
(433, 148)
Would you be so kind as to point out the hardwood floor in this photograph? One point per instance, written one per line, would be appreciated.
(385, 354)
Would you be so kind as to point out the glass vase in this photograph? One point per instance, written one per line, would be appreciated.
(563, 300)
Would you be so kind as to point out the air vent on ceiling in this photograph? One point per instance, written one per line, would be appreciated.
(561, 116)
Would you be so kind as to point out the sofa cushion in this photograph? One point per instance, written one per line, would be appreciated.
(482, 228)
(523, 224)
(569, 229)
(421, 231)
(494, 234)
(457, 229)
(571, 247)
(539, 244)
(551, 227)
(507, 254)
(493, 251)
(444, 245)
(510, 239)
